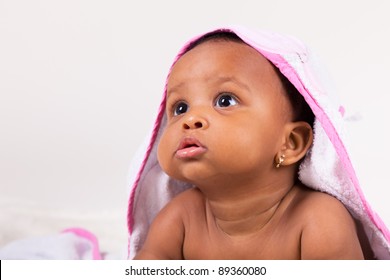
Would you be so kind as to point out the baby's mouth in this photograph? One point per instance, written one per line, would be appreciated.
(189, 148)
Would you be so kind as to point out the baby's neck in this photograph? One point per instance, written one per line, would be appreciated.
(248, 213)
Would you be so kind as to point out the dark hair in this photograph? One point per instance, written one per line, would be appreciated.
(217, 35)
(301, 109)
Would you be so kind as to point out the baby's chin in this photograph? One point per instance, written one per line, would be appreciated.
(188, 178)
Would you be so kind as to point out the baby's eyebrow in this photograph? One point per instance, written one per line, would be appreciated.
(214, 80)
(225, 79)
(175, 88)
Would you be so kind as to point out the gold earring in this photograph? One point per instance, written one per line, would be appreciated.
(281, 160)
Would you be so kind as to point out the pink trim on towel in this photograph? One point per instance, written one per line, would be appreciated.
(156, 128)
(89, 236)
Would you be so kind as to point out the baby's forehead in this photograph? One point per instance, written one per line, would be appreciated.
(222, 55)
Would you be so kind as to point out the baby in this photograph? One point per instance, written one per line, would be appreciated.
(237, 131)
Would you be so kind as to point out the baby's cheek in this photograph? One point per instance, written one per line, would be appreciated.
(163, 151)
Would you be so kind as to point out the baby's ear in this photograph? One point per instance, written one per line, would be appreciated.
(298, 139)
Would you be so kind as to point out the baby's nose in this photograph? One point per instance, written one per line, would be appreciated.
(195, 122)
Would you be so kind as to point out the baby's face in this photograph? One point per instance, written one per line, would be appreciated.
(226, 112)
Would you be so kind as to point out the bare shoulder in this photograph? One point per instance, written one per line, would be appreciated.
(193, 195)
(166, 234)
(328, 229)
(182, 203)
(320, 204)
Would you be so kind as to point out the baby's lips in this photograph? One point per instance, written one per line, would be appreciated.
(190, 147)
(190, 152)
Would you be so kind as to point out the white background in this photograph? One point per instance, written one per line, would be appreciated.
(80, 82)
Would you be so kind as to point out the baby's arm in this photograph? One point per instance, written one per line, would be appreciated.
(330, 232)
(166, 235)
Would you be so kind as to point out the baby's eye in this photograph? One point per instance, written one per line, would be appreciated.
(226, 100)
(180, 108)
